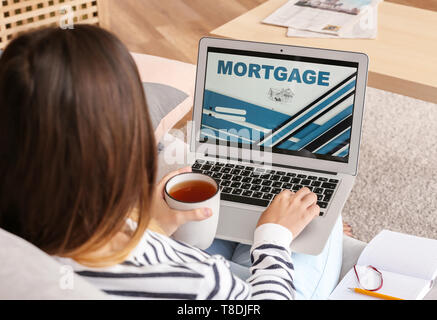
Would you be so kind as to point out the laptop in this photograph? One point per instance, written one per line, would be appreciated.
(270, 117)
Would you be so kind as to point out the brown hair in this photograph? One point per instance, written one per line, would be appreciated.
(77, 149)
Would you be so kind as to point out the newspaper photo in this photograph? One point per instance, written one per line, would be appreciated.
(343, 6)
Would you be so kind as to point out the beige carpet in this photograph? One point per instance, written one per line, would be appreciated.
(396, 187)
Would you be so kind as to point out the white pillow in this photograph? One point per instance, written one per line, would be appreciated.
(27, 273)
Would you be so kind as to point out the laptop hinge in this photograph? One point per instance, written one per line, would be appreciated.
(272, 164)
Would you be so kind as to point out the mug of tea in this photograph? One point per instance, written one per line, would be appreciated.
(188, 191)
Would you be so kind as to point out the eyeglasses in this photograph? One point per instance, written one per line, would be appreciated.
(369, 278)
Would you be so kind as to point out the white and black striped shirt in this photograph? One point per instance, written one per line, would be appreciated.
(162, 268)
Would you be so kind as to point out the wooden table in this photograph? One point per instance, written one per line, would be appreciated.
(403, 58)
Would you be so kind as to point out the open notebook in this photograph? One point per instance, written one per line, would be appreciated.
(408, 265)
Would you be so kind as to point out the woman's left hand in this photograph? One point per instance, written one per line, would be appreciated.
(168, 220)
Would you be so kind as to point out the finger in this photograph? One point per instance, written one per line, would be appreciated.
(302, 192)
(184, 169)
(314, 211)
(285, 195)
(194, 215)
(309, 199)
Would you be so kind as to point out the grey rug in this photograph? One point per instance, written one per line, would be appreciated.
(396, 187)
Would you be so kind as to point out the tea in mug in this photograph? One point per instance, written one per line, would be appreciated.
(193, 191)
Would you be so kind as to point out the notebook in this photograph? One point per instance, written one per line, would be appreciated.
(408, 265)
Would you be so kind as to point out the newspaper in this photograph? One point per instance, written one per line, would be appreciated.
(331, 17)
(365, 28)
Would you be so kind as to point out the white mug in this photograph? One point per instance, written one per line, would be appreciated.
(196, 233)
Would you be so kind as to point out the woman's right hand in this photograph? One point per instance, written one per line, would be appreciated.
(293, 211)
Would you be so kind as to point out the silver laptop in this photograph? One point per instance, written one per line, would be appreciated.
(270, 117)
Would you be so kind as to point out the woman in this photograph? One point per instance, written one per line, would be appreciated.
(78, 165)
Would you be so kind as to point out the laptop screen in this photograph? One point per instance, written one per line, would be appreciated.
(284, 104)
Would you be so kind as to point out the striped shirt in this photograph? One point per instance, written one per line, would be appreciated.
(162, 268)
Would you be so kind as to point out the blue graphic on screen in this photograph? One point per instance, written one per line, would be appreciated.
(291, 107)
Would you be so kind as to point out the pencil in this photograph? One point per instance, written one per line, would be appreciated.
(374, 294)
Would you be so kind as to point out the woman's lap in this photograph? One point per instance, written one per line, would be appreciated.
(315, 276)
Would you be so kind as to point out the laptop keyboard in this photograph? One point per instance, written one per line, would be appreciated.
(258, 186)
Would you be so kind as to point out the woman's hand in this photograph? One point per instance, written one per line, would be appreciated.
(168, 220)
(293, 211)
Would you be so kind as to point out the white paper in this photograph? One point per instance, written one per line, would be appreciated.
(395, 285)
(365, 28)
(402, 253)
